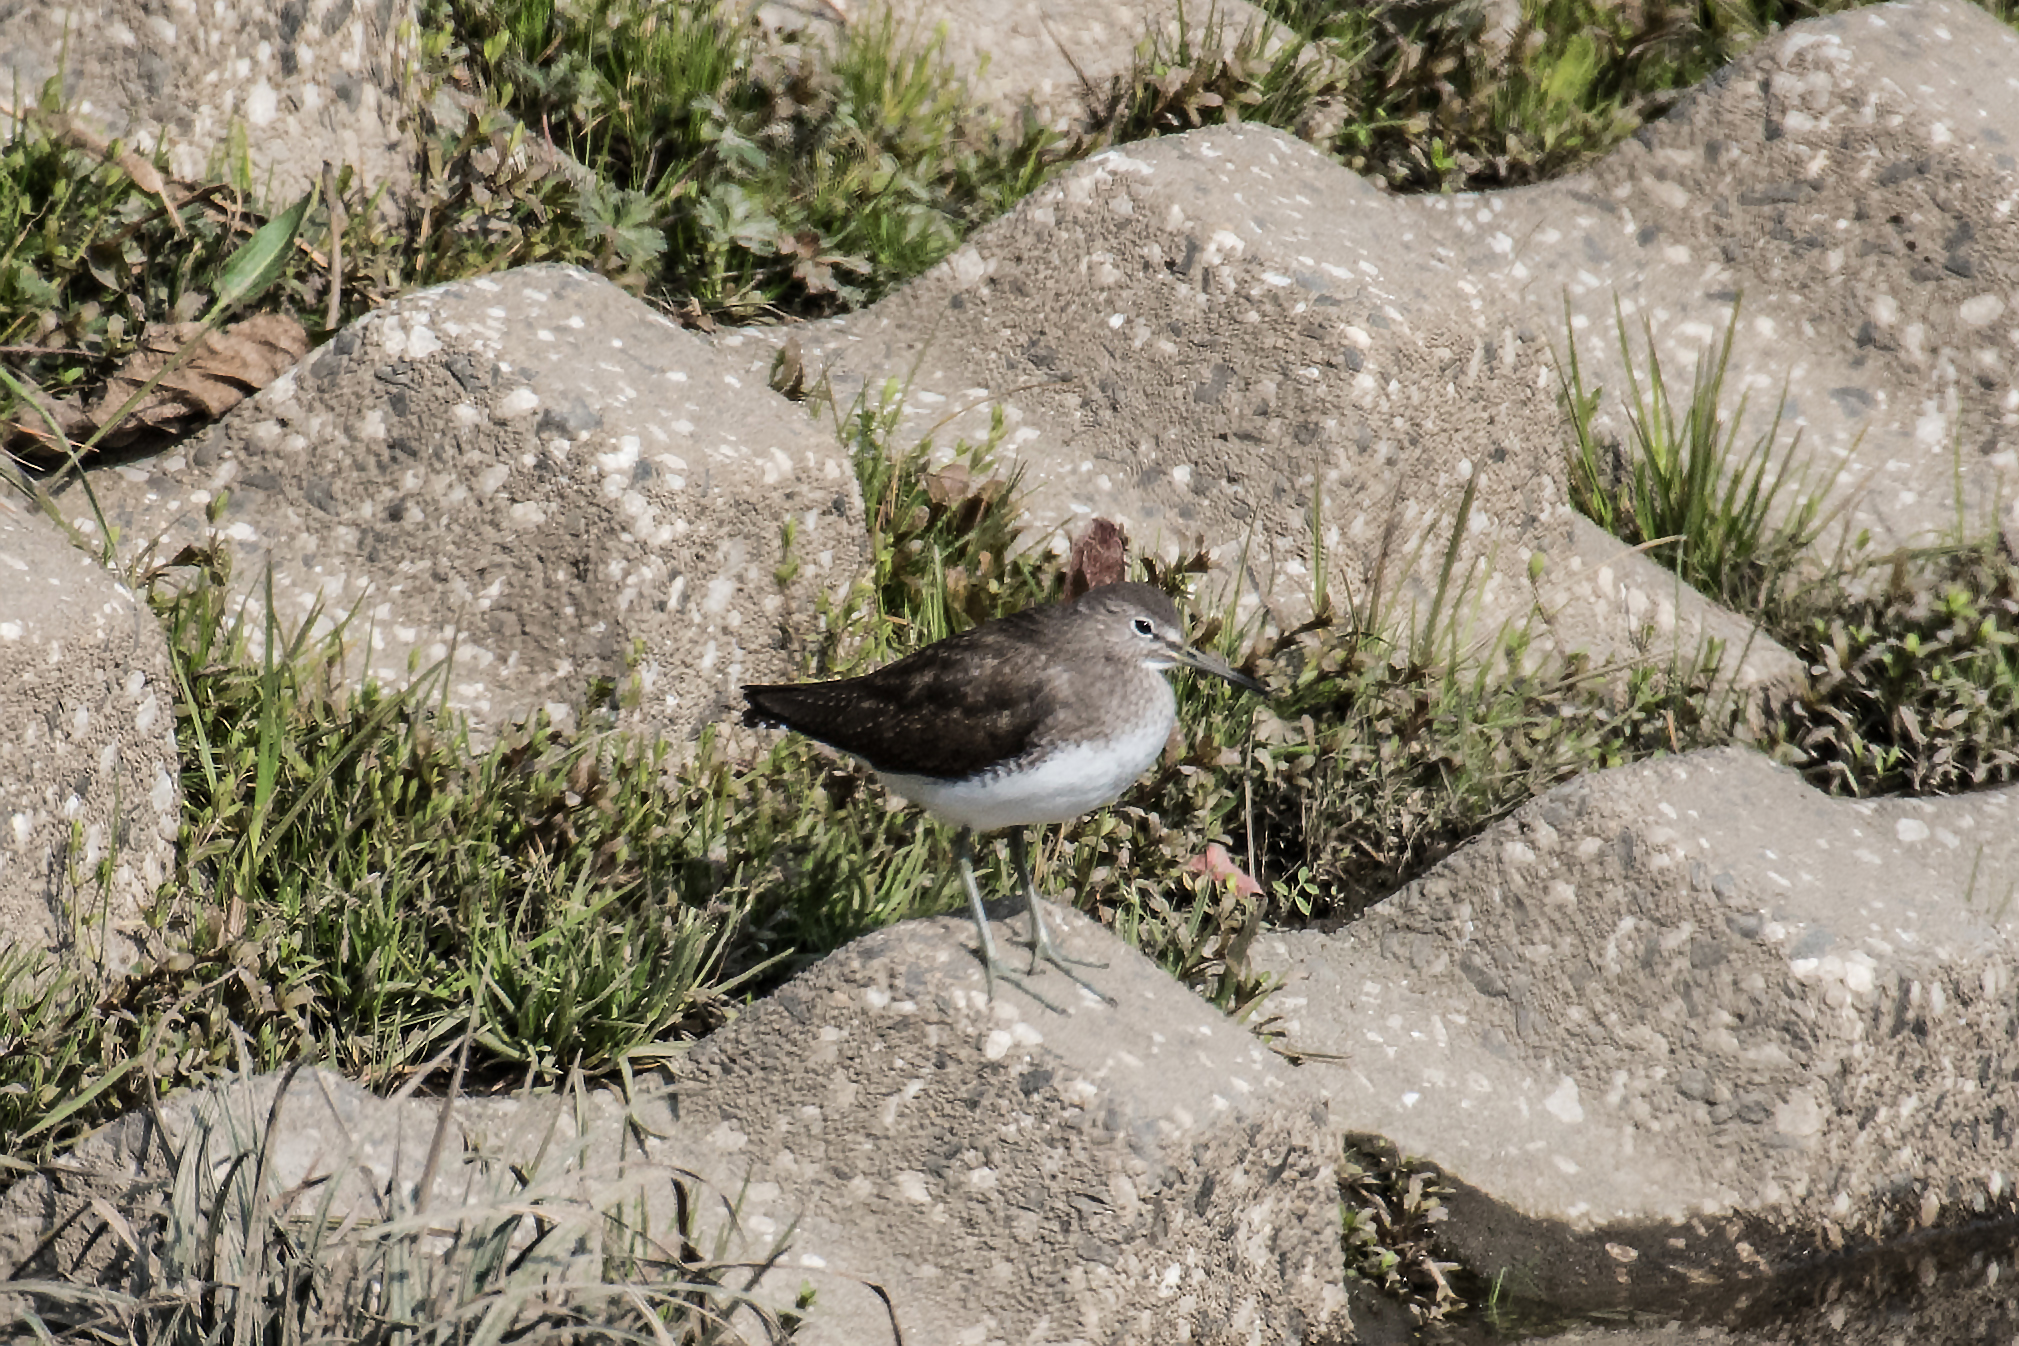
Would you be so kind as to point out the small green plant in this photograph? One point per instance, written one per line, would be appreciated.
(1373, 767)
(1464, 99)
(1393, 1213)
(1914, 677)
(945, 540)
(1206, 75)
(1733, 522)
(385, 876)
(779, 174)
(1913, 657)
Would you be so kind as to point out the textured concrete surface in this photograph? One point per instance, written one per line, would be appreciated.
(88, 766)
(1684, 1015)
(336, 1147)
(1007, 1173)
(1213, 337)
(1600, 595)
(536, 473)
(1679, 1026)
(1201, 335)
(1855, 180)
(1210, 336)
(1004, 1172)
(301, 82)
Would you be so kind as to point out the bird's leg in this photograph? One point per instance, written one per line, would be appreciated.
(963, 851)
(963, 854)
(1042, 947)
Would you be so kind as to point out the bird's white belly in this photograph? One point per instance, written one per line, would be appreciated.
(1070, 781)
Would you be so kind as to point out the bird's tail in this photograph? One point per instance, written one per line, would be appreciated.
(761, 712)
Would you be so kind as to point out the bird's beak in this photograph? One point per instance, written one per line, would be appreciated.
(1219, 668)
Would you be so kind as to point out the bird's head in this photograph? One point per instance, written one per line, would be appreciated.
(1142, 620)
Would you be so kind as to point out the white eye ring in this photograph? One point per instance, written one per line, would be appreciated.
(1144, 627)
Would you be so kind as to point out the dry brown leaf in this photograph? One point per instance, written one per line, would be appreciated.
(29, 437)
(788, 371)
(1100, 556)
(691, 315)
(227, 367)
(948, 484)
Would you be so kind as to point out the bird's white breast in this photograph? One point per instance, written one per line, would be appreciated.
(1069, 780)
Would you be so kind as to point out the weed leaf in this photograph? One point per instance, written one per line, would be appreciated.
(260, 260)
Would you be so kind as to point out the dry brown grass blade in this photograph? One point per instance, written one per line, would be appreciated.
(338, 221)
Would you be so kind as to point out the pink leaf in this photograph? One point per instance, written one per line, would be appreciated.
(1219, 866)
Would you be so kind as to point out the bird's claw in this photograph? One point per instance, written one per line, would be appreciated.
(1043, 949)
(1048, 953)
(992, 968)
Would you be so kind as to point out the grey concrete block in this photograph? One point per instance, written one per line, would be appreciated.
(1854, 179)
(1201, 336)
(1210, 336)
(302, 83)
(535, 473)
(1685, 1017)
(89, 798)
(999, 1171)
(1130, 1174)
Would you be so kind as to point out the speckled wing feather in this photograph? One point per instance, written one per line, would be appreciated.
(950, 710)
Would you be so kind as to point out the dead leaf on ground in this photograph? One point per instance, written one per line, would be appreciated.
(226, 367)
(946, 485)
(788, 371)
(694, 317)
(1100, 556)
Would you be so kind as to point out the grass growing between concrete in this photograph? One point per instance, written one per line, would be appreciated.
(359, 885)
(362, 887)
(1913, 660)
(1913, 654)
(211, 1244)
(106, 262)
(724, 173)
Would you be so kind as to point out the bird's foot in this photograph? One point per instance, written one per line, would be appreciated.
(1066, 965)
(992, 967)
(1043, 950)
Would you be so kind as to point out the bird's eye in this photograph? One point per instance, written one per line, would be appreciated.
(1144, 627)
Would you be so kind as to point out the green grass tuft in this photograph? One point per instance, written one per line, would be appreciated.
(1736, 523)
(358, 885)
(778, 175)
(1914, 677)
(1913, 656)
(1444, 98)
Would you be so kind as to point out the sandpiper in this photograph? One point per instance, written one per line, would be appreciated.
(1034, 718)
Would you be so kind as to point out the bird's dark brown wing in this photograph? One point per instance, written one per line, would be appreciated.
(950, 710)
